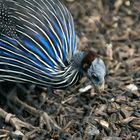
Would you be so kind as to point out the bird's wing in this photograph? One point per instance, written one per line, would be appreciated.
(42, 30)
(36, 37)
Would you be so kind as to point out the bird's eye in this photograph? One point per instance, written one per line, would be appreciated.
(96, 78)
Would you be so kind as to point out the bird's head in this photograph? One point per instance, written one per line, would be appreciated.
(95, 69)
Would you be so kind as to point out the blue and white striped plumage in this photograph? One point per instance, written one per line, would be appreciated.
(37, 43)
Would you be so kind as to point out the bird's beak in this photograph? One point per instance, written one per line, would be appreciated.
(99, 88)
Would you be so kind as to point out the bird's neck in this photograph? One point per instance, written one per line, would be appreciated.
(79, 65)
(82, 60)
(77, 60)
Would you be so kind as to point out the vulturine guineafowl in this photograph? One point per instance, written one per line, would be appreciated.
(38, 46)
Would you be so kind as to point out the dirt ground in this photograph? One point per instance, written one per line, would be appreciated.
(112, 29)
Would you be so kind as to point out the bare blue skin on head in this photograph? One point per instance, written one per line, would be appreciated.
(97, 72)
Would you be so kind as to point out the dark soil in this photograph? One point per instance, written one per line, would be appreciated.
(113, 114)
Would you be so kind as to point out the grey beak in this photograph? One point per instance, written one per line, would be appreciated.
(99, 88)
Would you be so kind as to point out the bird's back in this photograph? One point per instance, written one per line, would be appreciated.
(37, 41)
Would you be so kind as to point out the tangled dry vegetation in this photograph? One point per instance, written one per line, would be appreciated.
(112, 29)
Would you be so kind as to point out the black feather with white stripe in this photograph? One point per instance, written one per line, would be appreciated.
(37, 43)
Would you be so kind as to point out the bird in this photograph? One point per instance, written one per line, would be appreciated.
(38, 45)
